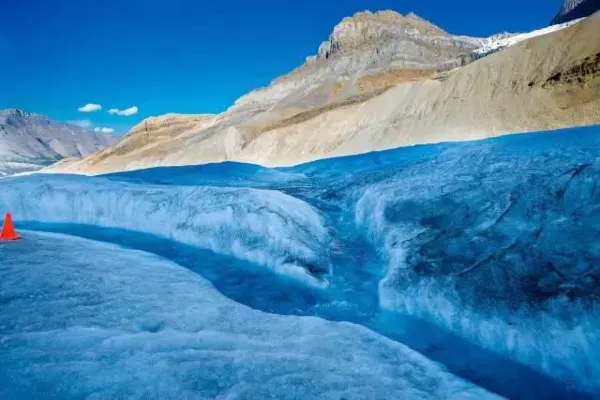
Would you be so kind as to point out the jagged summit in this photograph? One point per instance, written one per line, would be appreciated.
(365, 53)
(366, 28)
(16, 112)
(17, 115)
(13, 111)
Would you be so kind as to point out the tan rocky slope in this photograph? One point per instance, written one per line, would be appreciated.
(365, 92)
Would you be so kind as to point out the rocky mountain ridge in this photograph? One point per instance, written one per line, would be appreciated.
(29, 141)
(384, 80)
(363, 55)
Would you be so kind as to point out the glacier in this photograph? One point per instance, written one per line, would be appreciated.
(264, 226)
(106, 322)
(483, 256)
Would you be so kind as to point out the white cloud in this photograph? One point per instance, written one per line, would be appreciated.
(84, 123)
(104, 130)
(90, 107)
(126, 112)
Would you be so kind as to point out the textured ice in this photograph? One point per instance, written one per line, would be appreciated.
(266, 227)
(502, 246)
(83, 319)
(495, 242)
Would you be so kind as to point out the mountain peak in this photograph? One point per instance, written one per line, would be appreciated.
(367, 28)
(385, 15)
(18, 113)
(29, 140)
(389, 15)
(15, 112)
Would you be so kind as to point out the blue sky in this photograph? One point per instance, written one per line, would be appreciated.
(190, 56)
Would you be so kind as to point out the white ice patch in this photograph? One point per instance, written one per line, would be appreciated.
(493, 44)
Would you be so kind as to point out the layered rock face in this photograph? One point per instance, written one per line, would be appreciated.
(365, 53)
(384, 80)
(28, 141)
(573, 9)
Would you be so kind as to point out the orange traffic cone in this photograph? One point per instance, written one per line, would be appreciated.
(8, 229)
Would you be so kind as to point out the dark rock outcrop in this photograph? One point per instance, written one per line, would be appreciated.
(574, 9)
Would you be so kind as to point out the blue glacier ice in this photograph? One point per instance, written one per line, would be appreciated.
(110, 323)
(483, 256)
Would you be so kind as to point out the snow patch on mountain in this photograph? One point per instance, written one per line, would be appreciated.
(499, 42)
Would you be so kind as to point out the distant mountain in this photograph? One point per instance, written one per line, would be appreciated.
(30, 141)
(574, 9)
(383, 80)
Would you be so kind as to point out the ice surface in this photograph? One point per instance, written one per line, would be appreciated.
(500, 244)
(83, 319)
(496, 242)
(266, 227)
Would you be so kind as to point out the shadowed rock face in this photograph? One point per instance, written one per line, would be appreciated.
(573, 9)
(28, 141)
